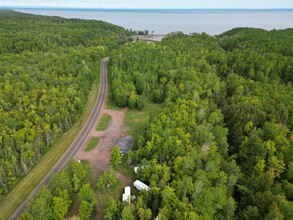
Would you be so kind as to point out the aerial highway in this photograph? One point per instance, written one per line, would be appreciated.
(79, 141)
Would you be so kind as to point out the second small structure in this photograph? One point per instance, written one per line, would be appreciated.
(140, 185)
(126, 196)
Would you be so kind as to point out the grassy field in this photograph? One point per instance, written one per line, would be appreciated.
(92, 144)
(22, 190)
(109, 102)
(126, 169)
(103, 123)
(135, 120)
(103, 197)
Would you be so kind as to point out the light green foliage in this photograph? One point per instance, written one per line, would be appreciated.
(40, 207)
(88, 201)
(274, 212)
(127, 213)
(143, 214)
(141, 102)
(220, 132)
(287, 209)
(111, 209)
(76, 173)
(75, 183)
(258, 54)
(85, 210)
(47, 205)
(225, 129)
(45, 77)
(87, 194)
(251, 212)
(107, 179)
(195, 162)
(115, 156)
(61, 205)
(59, 182)
(26, 216)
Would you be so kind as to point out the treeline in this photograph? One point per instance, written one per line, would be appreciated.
(74, 187)
(257, 54)
(44, 33)
(48, 66)
(222, 147)
(53, 201)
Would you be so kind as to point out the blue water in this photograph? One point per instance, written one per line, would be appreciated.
(188, 21)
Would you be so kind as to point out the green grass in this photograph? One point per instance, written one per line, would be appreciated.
(126, 169)
(110, 104)
(92, 144)
(103, 123)
(103, 197)
(135, 120)
(12, 201)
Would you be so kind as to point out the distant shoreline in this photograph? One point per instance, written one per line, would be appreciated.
(149, 9)
(164, 21)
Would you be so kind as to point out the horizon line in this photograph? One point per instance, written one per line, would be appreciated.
(121, 9)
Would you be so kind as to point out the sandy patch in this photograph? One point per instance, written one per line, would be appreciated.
(100, 156)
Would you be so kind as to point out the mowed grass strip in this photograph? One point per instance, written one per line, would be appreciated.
(22, 190)
(92, 144)
(103, 123)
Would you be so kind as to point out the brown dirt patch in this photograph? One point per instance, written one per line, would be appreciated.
(100, 156)
(126, 181)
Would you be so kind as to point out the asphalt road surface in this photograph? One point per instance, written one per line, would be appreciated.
(79, 141)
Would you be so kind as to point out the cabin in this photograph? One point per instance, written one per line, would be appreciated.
(140, 185)
(126, 196)
(125, 144)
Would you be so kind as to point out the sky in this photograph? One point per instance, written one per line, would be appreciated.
(153, 4)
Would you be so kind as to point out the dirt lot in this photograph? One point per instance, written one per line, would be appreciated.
(100, 156)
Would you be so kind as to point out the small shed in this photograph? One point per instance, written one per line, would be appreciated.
(140, 185)
(136, 169)
(126, 196)
(125, 144)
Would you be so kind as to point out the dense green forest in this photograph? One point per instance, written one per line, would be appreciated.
(53, 201)
(48, 66)
(222, 147)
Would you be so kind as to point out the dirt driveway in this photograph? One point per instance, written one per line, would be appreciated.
(100, 156)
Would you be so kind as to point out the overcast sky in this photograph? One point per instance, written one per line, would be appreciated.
(149, 3)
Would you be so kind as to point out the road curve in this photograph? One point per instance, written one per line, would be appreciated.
(79, 141)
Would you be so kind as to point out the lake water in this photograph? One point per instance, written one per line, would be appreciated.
(188, 21)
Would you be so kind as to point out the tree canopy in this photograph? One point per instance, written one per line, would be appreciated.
(48, 65)
(222, 146)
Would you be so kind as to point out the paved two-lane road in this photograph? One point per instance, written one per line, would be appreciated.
(79, 141)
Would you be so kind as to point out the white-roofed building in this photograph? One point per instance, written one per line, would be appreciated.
(126, 196)
(140, 185)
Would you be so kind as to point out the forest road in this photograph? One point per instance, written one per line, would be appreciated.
(79, 141)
